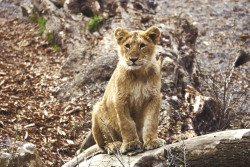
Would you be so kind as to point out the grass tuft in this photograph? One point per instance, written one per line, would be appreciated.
(95, 23)
(41, 23)
(52, 42)
(41, 28)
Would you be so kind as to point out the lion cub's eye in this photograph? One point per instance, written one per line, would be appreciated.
(142, 45)
(127, 46)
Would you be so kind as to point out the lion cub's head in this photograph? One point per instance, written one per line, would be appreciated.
(137, 48)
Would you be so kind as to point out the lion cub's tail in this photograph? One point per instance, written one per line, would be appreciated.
(93, 150)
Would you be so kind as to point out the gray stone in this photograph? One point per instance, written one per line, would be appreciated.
(23, 155)
(12, 9)
(227, 148)
(4, 159)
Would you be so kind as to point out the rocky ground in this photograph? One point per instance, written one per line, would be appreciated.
(29, 112)
(30, 70)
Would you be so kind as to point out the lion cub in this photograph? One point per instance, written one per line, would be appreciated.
(128, 115)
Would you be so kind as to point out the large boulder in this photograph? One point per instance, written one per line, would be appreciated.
(21, 155)
(227, 148)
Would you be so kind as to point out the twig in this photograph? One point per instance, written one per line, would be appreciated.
(74, 126)
(60, 156)
(184, 154)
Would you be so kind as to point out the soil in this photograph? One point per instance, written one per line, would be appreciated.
(30, 68)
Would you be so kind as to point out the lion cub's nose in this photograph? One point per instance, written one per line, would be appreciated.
(133, 59)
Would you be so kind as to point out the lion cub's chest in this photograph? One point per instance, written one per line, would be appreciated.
(139, 93)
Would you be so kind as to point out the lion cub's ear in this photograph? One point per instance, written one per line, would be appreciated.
(120, 35)
(154, 34)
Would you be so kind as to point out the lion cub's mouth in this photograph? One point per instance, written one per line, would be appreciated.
(131, 65)
(134, 66)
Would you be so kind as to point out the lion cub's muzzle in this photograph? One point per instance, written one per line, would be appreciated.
(133, 63)
(133, 60)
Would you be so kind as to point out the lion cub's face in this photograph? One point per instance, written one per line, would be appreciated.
(137, 47)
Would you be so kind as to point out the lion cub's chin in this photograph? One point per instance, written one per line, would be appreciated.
(130, 67)
(133, 67)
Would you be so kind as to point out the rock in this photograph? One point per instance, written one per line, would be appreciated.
(11, 9)
(4, 159)
(87, 7)
(43, 6)
(242, 58)
(58, 3)
(227, 148)
(24, 155)
(202, 110)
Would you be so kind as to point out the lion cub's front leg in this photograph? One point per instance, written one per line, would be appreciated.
(150, 129)
(130, 139)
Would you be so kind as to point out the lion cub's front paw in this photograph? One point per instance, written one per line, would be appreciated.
(113, 147)
(131, 146)
(155, 143)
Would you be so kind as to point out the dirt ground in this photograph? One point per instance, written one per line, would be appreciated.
(28, 111)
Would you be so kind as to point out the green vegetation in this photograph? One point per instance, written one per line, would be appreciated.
(52, 42)
(50, 37)
(41, 23)
(41, 28)
(18, 118)
(56, 47)
(95, 23)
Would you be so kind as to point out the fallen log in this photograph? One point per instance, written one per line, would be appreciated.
(229, 148)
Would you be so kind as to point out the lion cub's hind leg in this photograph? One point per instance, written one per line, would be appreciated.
(97, 133)
(104, 133)
(105, 139)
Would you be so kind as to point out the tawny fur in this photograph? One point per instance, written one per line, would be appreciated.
(129, 111)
